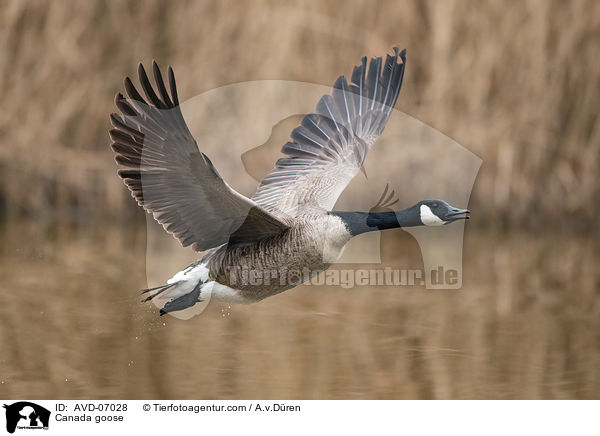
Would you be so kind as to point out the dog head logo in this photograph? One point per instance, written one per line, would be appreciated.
(25, 414)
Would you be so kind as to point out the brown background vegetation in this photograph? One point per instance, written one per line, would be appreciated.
(515, 82)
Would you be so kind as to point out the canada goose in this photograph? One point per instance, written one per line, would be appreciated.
(288, 224)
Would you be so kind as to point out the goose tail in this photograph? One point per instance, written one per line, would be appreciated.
(183, 302)
(183, 288)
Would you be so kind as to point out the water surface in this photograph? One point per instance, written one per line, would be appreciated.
(525, 325)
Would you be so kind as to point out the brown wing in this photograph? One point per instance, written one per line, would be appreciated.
(172, 179)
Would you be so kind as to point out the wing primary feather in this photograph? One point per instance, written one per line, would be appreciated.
(147, 88)
(386, 79)
(161, 85)
(398, 81)
(340, 92)
(123, 106)
(119, 122)
(358, 78)
(324, 108)
(373, 80)
(132, 91)
(311, 118)
(173, 87)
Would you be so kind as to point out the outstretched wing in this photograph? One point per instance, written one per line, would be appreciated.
(329, 147)
(172, 179)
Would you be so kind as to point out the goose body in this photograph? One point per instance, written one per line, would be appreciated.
(286, 233)
(252, 272)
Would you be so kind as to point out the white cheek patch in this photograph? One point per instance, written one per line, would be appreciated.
(429, 218)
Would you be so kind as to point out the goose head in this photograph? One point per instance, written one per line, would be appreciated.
(438, 212)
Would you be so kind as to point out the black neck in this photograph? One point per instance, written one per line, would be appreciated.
(362, 222)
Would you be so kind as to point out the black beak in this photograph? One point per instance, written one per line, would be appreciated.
(457, 214)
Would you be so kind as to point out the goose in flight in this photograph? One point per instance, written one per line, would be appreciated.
(254, 244)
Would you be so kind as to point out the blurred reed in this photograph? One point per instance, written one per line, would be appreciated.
(516, 83)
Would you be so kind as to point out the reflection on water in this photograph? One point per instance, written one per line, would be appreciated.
(525, 325)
